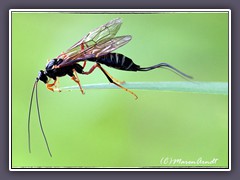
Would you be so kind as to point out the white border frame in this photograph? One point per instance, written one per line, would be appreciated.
(114, 11)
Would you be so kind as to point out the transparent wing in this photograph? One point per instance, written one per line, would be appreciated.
(104, 47)
(101, 35)
(99, 49)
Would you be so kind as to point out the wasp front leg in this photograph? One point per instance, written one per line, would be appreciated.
(54, 86)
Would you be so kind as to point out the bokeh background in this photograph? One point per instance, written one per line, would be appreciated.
(108, 128)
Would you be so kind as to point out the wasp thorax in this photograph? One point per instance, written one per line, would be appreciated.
(51, 63)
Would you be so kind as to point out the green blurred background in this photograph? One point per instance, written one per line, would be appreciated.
(108, 128)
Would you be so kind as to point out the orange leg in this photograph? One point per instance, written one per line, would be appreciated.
(98, 65)
(84, 64)
(110, 78)
(91, 70)
(50, 86)
(55, 84)
(76, 79)
(116, 80)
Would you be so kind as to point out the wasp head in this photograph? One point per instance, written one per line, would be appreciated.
(42, 76)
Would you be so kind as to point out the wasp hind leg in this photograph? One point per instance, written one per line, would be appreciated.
(98, 65)
(110, 78)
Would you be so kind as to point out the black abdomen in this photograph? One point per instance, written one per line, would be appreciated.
(117, 61)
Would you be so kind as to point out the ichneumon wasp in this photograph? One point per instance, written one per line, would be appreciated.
(97, 47)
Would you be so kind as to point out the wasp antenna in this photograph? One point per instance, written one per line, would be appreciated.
(40, 123)
(29, 117)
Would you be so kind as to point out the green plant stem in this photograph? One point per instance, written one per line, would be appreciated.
(193, 87)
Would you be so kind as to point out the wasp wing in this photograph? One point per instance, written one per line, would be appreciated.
(103, 47)
(100, 34)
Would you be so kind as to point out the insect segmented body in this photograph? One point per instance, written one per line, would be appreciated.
(97, 47)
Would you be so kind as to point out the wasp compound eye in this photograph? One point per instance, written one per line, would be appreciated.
(42, 76)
